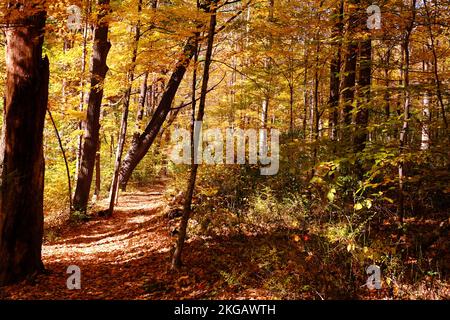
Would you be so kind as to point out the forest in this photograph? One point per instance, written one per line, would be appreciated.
(225, 149)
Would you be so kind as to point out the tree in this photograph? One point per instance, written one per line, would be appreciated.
(176, 260)
(349, 81)
(92, 125)
(87, 11)
(335, 69)
(364, 91)
(22, 171)
(141, 146)
(126, 106)
(411, 21)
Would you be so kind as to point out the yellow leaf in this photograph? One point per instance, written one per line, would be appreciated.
(331, 194)
(358, 206)
(80, 115)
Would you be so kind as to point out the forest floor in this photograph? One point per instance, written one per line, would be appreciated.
(127, 256)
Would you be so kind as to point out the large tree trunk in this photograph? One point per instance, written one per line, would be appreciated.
(92, 126)
(21, 155)
(141, 146)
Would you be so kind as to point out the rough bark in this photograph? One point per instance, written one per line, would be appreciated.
(21, 155)
(92, 126)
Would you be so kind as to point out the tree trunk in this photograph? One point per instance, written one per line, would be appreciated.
(305, 92)
(63, 151)
(387, 94)
(266, 98)
(145, 97)
(364, 83)
(113, 195)
(98, 176)
(291, 108)
(140, 148)
(349, 81)
(21, 155)
(437, 79)
(335, 69)
(176, 260)
(82, 81)
(141, 109)
(425, 137)
(92, 126)
(315, 113)
(407, 106)
(264, 118)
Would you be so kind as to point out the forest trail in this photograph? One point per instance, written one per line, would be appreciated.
(126, 256)
(116, 255)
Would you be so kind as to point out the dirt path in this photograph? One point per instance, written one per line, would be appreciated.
(116, 255)
(127, 256)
